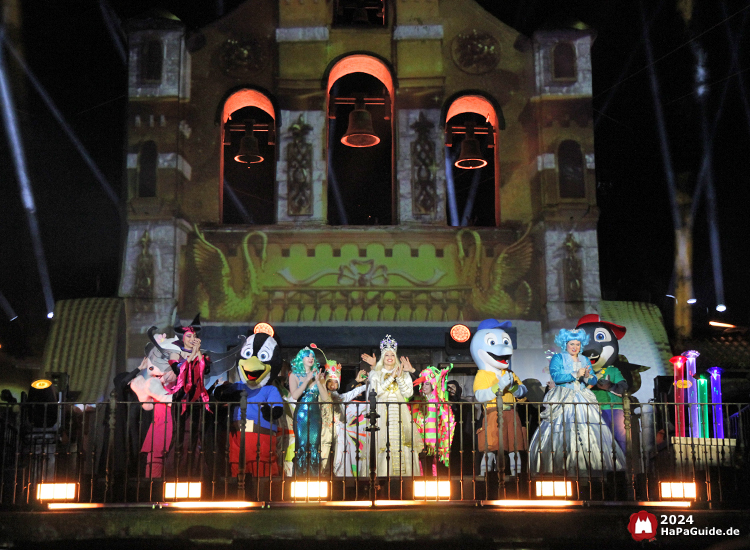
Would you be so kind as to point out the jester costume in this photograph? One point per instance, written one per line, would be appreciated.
(433, 415)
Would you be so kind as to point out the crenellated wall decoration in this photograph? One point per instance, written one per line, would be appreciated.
(299, 155)
(423, 171)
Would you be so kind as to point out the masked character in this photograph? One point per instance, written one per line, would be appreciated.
(492, 350)
(603, 351)
(258, 365)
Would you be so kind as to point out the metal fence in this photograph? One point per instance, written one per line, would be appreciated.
(120, 452)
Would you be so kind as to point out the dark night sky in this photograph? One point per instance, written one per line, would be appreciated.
(68, 46)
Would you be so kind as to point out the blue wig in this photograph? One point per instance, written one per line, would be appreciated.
(565, 336)
(297, 366)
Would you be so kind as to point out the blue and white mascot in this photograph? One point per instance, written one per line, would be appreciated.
(492, 350)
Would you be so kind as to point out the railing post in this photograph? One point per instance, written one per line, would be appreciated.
(372, 428)
(241, 459)
(108, 471)
(628, 446)
(500, 461)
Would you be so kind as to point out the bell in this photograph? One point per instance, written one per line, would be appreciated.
(471, 154)
(249, 152)
(360, 132)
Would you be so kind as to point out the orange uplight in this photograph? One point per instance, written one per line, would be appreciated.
(722, 325)
(41, 384)
(460, 333)
(264, 328)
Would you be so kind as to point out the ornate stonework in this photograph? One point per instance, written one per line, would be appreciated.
(475, 52)
(423, 167)
(299, 165)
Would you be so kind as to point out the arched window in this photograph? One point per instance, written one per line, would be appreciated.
(570, 165)
(473, 194)
(150, 62)
(360, 179)
(247, 189)
(564, 61)
(147, 165)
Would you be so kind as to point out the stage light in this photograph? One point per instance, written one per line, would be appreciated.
(50, 315)
(41, 384)
(432, 489)
(691, 301)
(460, 333)
(554, 489)
(264, 328)
(309, 489)
(679, 490)
(174, 490)
(721, 325)
(721, 308)
(56, 491)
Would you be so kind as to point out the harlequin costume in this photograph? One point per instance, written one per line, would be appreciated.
(433, 415)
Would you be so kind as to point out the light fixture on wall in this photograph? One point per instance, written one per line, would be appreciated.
(471, 152)
(360, 132)
(249, 152)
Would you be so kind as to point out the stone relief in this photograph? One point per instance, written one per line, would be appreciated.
(423, 167)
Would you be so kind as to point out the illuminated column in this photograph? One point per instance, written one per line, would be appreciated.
(679, 394)
(692, 393)
(716, 400)
(703, 405)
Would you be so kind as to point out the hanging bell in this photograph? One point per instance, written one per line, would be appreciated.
(249, 152)
(471, 153)
(360, 132)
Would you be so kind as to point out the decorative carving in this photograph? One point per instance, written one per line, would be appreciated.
(475, 52)
(361, 273)
(423, 168)
(144, 276)
(299, 155)
(241, 58)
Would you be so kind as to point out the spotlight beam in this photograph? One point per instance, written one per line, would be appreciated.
(7, 308)
(108, 189)
(246, 217)
(452, 207)
(19, 161)
(469, 207)
(332, 181)
(114, 28)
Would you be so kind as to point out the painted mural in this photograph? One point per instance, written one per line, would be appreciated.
(362, 274)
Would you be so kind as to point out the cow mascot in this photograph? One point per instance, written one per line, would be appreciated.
(492, 349)
(603, 350)
(259, 363)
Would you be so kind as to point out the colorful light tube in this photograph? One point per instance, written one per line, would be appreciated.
(703, 405)
(692, 393)
(715, 373)
(678, 362)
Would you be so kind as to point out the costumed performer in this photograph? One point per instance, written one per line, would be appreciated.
(307, 388)
(259, 364)
(572, 438)
(344, 424)
(603, 351)
(398, 442)
(433, 415)
(492, 351)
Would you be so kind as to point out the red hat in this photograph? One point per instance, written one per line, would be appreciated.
(618, 330)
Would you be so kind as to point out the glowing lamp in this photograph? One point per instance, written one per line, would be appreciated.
(715, 373)
(721, 307)
(432, 489)
(691, 301)
(703, 405)
(264, 328)
(182, 490)
(546, 489)
(678, 363)
(460, 333)
(309, 489)
(56, 491)
(721, 325)
(50, 315)
(41, 384)
(677, 490)
(692, 392)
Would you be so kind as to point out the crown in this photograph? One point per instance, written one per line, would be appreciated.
(333, 371)
(388, 343)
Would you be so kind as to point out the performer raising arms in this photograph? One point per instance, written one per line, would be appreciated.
(572, 437)
(307, 388)
(398, 441)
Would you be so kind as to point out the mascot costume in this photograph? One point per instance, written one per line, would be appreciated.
(492, 349)
(603, 351)
(259, 364)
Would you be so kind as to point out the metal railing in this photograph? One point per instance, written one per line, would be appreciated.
(119, 452)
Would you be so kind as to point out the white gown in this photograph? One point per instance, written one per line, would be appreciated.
(572, 438)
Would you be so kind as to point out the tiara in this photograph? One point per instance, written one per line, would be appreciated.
(388, 343)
